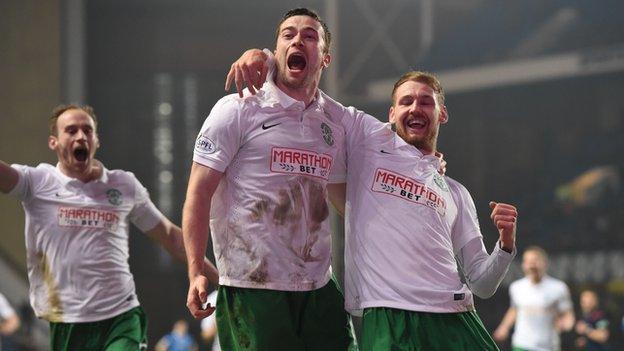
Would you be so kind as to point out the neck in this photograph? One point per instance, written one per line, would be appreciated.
(536, 279)
(89, 173)
(304, 93)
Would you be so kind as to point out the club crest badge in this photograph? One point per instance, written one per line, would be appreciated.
(440, 182)
(327, 134)
(114, 197)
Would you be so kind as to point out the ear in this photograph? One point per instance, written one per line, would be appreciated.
(391, 114)
(52, 142)
(326, 60)
(443, 115)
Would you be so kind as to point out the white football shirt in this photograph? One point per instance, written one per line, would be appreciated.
(269, 215)
(537, 306)
(405, 224)
(77, 241)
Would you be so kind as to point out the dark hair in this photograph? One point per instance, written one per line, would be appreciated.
(60, 109)
(302, 11)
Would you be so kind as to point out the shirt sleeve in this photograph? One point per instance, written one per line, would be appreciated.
(220, 136)
(484, 272)
(144, 214)
(565, 302)
(22, 189)
(466, 226)
(360, 126)
(6, 310)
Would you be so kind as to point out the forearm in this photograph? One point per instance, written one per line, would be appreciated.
(195, 222)
(597, 335)
(565, 321)
(484, 272)
(509, 319)
(8, 177)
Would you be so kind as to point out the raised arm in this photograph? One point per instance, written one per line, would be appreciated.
(485, 272)
(203, 182)
(8, 177)
(250, 69)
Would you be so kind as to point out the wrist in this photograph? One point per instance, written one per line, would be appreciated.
(507, 247)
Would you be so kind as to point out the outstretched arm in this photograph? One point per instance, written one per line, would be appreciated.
(169, 236)
(203, 182)
(250, 69)
(8, 177)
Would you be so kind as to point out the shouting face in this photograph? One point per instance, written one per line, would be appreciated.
(300, 53)
(75, 142)
(417, 115)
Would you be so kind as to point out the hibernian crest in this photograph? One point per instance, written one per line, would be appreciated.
(114, 197)
(440, 182)
(327, 134)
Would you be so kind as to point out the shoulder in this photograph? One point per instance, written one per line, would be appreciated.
(518, 284)
(459, 191)
(556, 284)
(122, 179)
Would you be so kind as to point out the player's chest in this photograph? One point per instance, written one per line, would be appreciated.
(98, 207)
(307, 129)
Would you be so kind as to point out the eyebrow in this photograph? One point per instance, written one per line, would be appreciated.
(303, 29)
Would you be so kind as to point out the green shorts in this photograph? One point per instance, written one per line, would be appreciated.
(386, 329)
(271, 320)
(127, 331)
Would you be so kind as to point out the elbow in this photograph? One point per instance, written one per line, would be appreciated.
(483, 292)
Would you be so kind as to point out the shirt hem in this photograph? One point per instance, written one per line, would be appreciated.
(281, 286)
(92, 318)
(358, 308)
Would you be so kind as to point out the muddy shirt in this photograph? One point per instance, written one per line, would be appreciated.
(405, 224)
(77, 241)
(269, 215)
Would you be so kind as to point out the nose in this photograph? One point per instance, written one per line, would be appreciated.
(297, 40)
(81, 135)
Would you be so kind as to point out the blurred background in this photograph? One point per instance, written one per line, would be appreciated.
(535, 91)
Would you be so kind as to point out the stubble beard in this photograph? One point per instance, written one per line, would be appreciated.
(425, 143)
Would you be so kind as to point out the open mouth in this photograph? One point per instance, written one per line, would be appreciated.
(81, 154)
(296, 62)
(416, 123)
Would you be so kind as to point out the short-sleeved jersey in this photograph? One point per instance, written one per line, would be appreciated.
(405, 224)
(269, 215)
(77, 241)
(537, 306)
(6, 310)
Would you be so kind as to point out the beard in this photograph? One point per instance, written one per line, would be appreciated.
(425, 143)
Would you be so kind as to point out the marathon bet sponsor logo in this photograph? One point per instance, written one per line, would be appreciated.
(205, 146)
(408, 189)
(327, 134)
(114, 197)
(304, 162)
(440, 182)
(87, 218)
